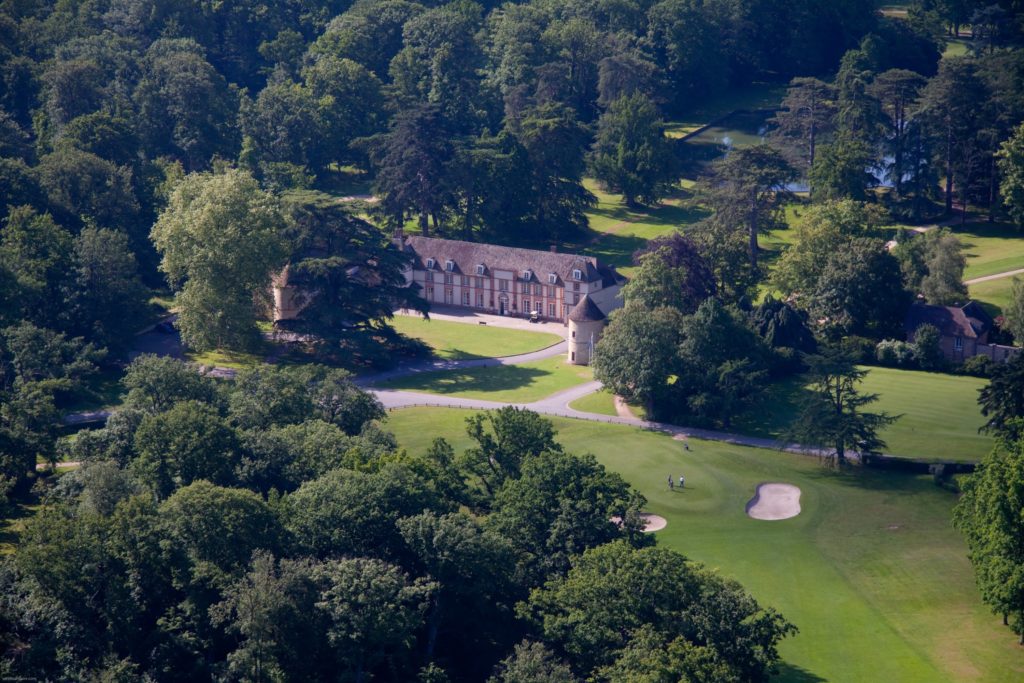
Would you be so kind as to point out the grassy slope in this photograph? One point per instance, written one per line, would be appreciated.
(520, 383)
(871, 571)
(990, 248)
(994, 293)
(616, 231)
(460, 340)
(940, 413)
(601, 402)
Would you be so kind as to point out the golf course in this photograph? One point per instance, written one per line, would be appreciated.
(870, 570)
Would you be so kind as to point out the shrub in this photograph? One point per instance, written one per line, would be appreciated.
(978, 366)
(894, 353)
(927, 349)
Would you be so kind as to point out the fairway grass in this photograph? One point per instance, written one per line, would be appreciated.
(600, 402)
(616, 230)
(520, 383)
(460, 341)
(870, 571)
(939, 419)
(993, 294)
(990, 248)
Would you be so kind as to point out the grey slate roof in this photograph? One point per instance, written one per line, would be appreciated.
(586, 311)
(969, 321)
(468, 255)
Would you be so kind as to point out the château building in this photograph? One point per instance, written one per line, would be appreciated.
(508, 280)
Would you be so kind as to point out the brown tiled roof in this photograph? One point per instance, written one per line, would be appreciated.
(969, 321)
(586, 311)
(468, 255)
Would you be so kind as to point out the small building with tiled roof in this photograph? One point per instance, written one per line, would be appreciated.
(963, 329)
(508, 280)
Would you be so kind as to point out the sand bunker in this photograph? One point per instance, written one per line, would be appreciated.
(774, 501)
(654, 522)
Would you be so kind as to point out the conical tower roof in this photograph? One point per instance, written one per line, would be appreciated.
(586, 311)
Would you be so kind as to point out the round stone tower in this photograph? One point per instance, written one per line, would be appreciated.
(586, 323)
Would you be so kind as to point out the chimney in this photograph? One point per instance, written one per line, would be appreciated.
(554, 248)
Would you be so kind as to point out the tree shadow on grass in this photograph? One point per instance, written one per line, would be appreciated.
(791, 673)
(868, 479)
(492, 379)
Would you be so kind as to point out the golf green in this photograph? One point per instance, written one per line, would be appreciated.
(871, 570)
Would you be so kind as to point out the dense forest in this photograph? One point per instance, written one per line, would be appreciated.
(270, 528)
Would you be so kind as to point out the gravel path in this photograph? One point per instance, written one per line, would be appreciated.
(996, 276)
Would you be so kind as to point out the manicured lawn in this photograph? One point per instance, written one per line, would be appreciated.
(956, 47)
(994, 294)
(102, 390)
(616, 230)
(601, 402)
(225, 359)
(522, 383)
(871, 571)
(940, 414)
(990, 248)
(462, 340)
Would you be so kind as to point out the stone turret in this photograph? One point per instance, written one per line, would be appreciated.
(586, 324)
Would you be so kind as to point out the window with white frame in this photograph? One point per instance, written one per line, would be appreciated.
(524, 288)
(465, 281)
(527, 274)
(526, 306)
(449, 265)
(577, 274)
(430, 276)
(480, 269)
(552, 278)
(503, 285)
(537, 289)
(479, 283)
(575, 286)
(448, 278)
(958, 343)
(430, 263)
(551, 310)
(465, 298)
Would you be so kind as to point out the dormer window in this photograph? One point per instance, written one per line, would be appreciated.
(480, 269)
(552, 279)
(527, 274)
(449, 265)
(430, 264)
(577, 274)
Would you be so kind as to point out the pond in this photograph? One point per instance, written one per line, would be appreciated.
(743, 129)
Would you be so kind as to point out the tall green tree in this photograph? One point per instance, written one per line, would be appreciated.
(637, 354)
(897, 91)
(748, 190)
(351, 277)
(1002, 399)
(1011, 167)
(613, 591)
(953, 102)
(806, 115)
(221, 239)
(413, 166)
(505, 439)
(555, 143)
(1013, 313)
(832, 415)
(990, 513)
(631, 154)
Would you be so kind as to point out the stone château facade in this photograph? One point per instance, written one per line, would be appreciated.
(508, 280)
